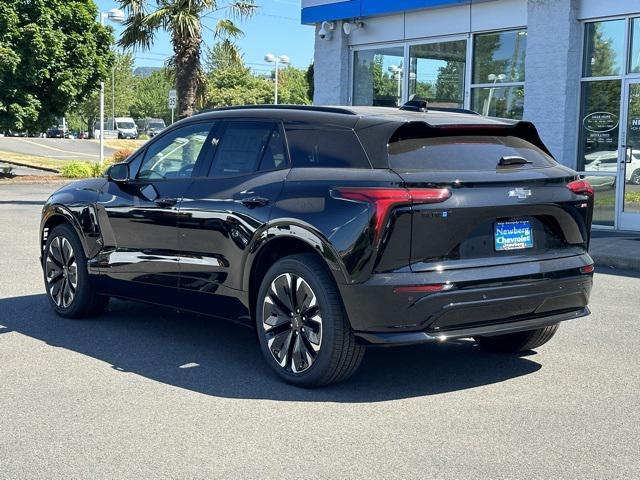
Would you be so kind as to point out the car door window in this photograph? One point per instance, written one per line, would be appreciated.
(325, 147)
(273, 157)
(175, 154)
(241, 148)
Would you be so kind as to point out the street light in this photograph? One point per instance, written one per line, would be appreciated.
(492, 77)
(396, 71)
(116, 16)
(271, 58)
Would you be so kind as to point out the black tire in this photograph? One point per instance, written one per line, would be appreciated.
(339, 355)
(518, 341)
(635, 177)
(85, 301)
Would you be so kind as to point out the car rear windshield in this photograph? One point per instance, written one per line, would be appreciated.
(455, 153)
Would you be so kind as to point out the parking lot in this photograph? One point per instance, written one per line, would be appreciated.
(145, 392)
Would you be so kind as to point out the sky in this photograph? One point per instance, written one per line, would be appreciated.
(274, 29)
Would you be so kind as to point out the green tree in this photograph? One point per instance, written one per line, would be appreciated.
(53, 53)
(236, 85)
(125, 82)
(151, 96)
(293, 86)
(311, 81)
(183, 20)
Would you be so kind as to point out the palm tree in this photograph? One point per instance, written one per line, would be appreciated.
(183, 20)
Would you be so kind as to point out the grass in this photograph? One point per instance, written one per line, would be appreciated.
(118, 144)
(33, 160)
(66, 168)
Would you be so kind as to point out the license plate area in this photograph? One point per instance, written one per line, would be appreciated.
(513, 235)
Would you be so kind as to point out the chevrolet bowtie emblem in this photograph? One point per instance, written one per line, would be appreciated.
(521, 193)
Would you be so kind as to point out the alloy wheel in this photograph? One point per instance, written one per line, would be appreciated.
(292, 323)
(61, 271)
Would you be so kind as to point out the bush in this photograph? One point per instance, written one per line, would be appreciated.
(77, 169)
(143, 136)
(121, 155)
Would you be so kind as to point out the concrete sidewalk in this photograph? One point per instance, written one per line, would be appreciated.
(616, 249)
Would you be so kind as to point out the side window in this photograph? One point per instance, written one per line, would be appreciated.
(242, 146)
(325, 147)
(273, 157)
(175, 154)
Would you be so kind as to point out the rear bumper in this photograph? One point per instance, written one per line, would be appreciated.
(481, 301)
(413, 338)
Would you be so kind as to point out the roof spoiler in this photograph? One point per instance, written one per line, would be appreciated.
(421, 106)
(521, 129)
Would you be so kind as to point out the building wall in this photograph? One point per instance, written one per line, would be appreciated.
(552, 67)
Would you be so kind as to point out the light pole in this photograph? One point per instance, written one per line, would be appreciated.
(492, 78)
(270, 58)
(396, 71)
(116, 16)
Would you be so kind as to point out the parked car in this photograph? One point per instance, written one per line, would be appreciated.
(16, 133)
(328, 229)
(150, 126)
(607, 161)
(123, 127)
(57, 132)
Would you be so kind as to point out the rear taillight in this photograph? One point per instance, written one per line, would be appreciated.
(581, 187)
(433, 288)
(384, 200)
(587, 269)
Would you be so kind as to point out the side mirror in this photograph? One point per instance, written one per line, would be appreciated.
(118, 172)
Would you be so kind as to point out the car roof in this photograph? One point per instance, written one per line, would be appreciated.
(351, 115)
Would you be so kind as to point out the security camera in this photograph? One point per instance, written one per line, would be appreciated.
(325, 30)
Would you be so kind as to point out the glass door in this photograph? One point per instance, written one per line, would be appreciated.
(629, 159)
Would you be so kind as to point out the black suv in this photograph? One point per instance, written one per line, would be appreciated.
(328, 229)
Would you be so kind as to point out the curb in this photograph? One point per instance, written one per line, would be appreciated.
(620, 263)
(20, 164)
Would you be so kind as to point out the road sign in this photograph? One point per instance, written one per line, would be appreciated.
(173, 99)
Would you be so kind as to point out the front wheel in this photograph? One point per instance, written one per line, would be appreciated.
(518, 341)
(66, 278)
(302, 326)
(635, 177)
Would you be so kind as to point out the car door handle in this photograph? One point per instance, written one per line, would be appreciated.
(254, 202)
(166, 202)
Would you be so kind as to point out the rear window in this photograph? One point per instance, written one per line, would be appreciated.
(464, 153)
(327, 147)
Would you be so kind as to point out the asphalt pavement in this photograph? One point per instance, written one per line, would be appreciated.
(145, 392)
(63, 148)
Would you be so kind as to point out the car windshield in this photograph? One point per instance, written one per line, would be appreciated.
(126, 125)
(156, 125)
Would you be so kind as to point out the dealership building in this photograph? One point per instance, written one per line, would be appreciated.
(570, 66)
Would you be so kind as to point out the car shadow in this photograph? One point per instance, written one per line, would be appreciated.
(223, 359)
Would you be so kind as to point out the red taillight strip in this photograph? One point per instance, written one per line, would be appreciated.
(581, 187)
(385, 199)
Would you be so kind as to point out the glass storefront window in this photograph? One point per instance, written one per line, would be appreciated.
(377, 77)
(604, 209)
(604, 48)
(437, 72)
(505, 102)
(634, 54)
(499, 57)
(599, 126)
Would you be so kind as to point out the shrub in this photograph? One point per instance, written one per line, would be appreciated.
(143, 136)
(121, 155)
(77, 169)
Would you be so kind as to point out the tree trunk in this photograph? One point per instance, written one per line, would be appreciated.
(187, 65)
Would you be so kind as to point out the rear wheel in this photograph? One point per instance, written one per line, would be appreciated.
(518, 341)
(303, 329)
(66, 278)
